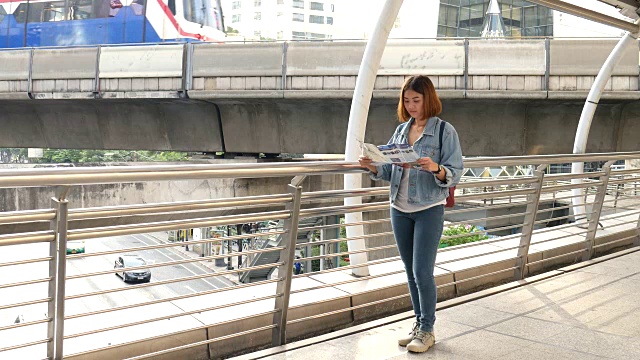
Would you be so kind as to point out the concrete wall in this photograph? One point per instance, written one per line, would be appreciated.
(13, 199)
(116, 124)
(486, 127)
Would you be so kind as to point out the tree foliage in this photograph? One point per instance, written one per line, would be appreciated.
(13, 155)
(459, 230)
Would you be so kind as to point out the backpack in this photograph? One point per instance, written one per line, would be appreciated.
(451, 201)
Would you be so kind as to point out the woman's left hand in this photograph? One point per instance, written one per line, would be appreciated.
(427, 164)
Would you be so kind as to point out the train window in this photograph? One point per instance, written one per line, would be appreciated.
(53, 11)
(3, 13)
(200, 11)
(172, 6)
(138, 7)
(34, 12)
(90, 9)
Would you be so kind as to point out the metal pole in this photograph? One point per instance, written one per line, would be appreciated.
(56, 327)
(322, 247)
(637, 241)
(287, 256)
(528, 224)
(589, 109)
(96, 79)
(590, 237)
(466, 67)
(358, 124)
(53, 265)
(619, 188)
(239, 232)
(283, 79)
(547, 70)
(229, 250)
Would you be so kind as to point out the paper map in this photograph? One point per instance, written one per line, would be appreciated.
(390, 154)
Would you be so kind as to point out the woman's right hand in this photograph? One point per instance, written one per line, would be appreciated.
(365, 162)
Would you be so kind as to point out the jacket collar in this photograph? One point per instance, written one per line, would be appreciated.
(430, 129)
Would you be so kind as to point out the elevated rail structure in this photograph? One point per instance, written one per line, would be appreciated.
(295, 96)
(72, 306)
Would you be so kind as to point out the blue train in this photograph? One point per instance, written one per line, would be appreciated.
(34, 23)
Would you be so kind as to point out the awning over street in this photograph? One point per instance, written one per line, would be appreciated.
(630, 7)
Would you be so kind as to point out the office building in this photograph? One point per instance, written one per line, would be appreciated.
(280, 19)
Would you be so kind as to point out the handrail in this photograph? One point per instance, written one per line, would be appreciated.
(324, 237)
(118, 174)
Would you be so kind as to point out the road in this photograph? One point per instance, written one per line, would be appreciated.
(127, 294)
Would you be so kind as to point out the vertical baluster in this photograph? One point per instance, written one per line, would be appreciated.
(57, 271)
(529, 221)
(287, 255)
(594, 218)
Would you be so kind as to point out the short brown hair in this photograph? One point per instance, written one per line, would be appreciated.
(422, 85)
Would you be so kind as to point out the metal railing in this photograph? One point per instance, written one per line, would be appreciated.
(96, 64)
(84, 306)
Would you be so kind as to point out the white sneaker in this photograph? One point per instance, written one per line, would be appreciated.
(407, 339)
(422, 341)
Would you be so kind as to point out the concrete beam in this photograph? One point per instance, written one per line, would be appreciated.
(114, 124)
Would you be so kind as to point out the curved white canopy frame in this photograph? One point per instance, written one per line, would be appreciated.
(369, 69)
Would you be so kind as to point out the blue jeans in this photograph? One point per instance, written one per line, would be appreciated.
(417, 236)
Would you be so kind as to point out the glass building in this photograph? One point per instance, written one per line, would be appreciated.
(465, 18)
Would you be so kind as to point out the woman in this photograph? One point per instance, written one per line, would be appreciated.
(418, 197)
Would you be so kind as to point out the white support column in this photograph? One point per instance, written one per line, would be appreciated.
(358, 123)
(582, 133)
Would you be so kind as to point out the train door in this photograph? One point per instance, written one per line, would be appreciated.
(17, 24)
(52, 30)
(16, 29)
(88, 23)
(134, 21)
(4, 26)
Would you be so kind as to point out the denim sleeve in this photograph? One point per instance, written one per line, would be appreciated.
(451, 157)
(384, 171)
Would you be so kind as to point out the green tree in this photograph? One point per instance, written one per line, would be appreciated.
(12, 155)
(459, 230)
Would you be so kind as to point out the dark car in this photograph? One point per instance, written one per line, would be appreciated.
(127, 261)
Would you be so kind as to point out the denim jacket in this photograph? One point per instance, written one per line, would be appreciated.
(424, 188)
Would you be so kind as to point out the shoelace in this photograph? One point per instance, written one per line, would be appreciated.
(414, 330)
(421, 335)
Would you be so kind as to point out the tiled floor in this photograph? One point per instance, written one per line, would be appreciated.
(590, 313)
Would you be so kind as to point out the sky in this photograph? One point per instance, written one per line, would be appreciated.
(362, 16)
(355, 19)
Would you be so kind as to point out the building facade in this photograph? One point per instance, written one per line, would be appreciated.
(465, 18)
(423, 19)
(280, 19)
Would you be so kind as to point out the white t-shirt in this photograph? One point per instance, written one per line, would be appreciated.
(402, 198)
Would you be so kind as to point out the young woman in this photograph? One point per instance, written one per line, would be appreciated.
(418, 197)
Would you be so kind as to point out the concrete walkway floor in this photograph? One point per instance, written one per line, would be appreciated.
(585, 312)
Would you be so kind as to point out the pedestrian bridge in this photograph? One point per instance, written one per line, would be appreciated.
(584, 311)
(56, 305)
(295, 96)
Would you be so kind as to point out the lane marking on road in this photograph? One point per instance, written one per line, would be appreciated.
(183, 257)
(224, 282)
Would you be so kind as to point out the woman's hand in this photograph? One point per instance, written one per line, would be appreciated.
(427, 164)
(365, 162)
